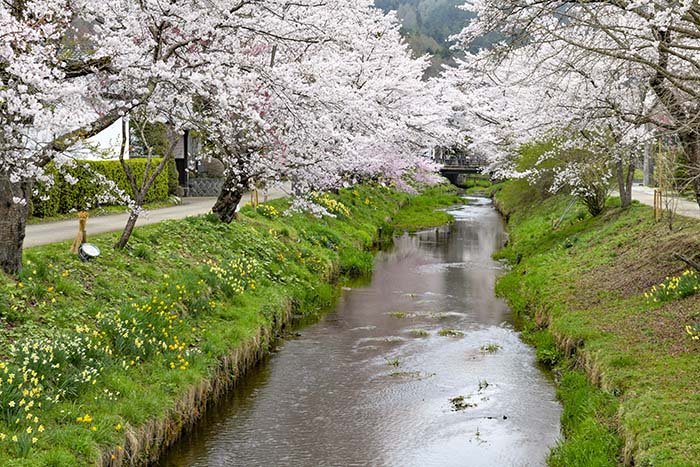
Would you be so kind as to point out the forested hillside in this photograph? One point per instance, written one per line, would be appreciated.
(428, 24)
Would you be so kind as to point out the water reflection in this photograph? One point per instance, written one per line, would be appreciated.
(360, 388)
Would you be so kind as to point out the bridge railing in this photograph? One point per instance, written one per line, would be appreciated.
(451, 159)
(460, 161)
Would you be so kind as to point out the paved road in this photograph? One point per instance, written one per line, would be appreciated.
(684, 207)
(52, 232)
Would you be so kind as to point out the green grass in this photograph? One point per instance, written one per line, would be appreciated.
(588, 421)
(422, 211)
(579, 291)
(160, 315)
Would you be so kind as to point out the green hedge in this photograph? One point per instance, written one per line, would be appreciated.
(62, 197)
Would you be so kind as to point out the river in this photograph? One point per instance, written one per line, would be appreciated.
(420, 368)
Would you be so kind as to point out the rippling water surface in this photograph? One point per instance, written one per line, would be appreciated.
(363, 387)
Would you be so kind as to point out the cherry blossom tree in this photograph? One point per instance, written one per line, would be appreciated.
(322, 94)
(658, 39)
(71, 68)
(337, 102)
(548, 92)
(45, 106)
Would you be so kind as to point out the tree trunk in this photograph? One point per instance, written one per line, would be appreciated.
(149, 178)
(691, 146)
(13, 222)
(229, 198)
(630, 179)
(595, 201)
(128, 230)
(625, 181)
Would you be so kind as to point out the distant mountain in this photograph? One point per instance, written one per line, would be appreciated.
(428, 24)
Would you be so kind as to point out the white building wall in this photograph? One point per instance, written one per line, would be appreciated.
(105, 145)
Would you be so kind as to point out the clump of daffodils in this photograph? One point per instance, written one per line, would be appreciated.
(235, 276)
(312, 261)
(693, 331)
(676, 287)
(333, 206)
(21, 396)
(65, 363)
(268, 211)
(140, 331)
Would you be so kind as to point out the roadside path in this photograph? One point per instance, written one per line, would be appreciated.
(684, 207)
(53, 232)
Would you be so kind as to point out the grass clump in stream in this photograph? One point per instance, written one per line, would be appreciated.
(450, 333)
(406, 374)
(460, 403)
(422, 211)
(490, 348)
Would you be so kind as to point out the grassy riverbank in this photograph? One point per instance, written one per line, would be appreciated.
(109, 360)
(629, 370)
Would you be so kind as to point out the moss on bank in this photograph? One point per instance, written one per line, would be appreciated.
(579, 288)
(112, 359)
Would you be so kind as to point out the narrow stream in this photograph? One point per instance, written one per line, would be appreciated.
(365, 387)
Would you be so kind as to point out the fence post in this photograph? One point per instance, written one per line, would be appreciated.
(658, 205)
(82, 233)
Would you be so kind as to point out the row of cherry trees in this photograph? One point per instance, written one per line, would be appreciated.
(321, 93)
(597, 80)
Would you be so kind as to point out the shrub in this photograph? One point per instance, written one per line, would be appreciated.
(555, 166)
(531, 157)
(62, 197)
(173, 177)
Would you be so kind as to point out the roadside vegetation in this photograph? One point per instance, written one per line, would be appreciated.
(615, 314)
(108, 360)
(95, 181)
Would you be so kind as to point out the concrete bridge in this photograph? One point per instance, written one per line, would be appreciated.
(458, 164)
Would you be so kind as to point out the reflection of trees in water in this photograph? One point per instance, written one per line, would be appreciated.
(472, 285)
